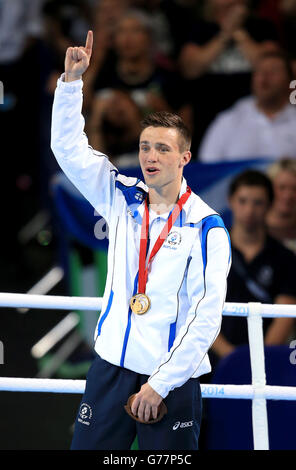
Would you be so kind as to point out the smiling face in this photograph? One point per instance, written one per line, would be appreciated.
(162, 157)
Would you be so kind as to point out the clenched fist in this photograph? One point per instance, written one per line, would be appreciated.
(77, 59)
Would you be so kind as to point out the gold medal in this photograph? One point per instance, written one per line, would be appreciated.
(140, 303)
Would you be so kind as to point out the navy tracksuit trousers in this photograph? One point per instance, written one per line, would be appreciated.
(103, 424)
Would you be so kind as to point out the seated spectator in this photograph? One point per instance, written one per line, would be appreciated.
(171, 19)
(66, 23)
(261, 125)
(228, 40)
(281, 218)
(262, 268)
(106, 14)
(219, 54)
(21, 27)
(130, 85)
(114, 127)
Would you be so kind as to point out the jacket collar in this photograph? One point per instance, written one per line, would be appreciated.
(195, 209)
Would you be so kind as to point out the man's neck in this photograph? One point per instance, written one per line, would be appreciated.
(162, 200)
(250, 243)
(272, 108)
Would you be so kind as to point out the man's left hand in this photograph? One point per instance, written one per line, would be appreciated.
(146, 403)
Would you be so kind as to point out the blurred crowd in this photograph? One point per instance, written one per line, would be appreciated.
(206, 60)
(218, 63)
(227, 67)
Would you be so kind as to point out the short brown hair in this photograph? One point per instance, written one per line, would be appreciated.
(169, 120)
(252, 178)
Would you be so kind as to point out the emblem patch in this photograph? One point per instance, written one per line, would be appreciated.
(174, 239)
(85, 414)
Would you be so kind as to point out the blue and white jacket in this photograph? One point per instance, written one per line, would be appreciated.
(188, 277)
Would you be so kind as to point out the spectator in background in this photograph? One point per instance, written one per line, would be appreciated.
(129, 85)
(262, 268)
(21, 27)
(281, 218)
(66, 23)
(20, 30)
(171, 20)
(23, 18)
(219, 54)
(106, 14)
(258, 126)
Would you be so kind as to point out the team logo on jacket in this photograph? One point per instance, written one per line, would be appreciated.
(173, 239)
(139, 197)
(85, 414)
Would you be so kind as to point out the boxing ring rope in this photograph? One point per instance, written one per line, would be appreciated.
(50, 302)
(258, 391)
(270, 392)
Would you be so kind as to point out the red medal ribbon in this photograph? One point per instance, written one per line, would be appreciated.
(143, 272)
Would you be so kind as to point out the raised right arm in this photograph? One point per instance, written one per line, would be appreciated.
(90, 171)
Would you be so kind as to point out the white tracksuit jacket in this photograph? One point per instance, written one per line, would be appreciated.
(188, 276)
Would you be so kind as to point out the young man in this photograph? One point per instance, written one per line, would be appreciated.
(160, 312)
(262, 268)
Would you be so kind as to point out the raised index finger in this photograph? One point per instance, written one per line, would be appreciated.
(89, 42)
